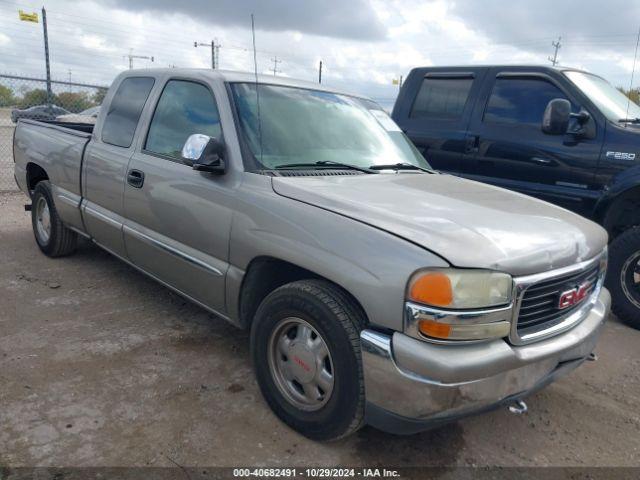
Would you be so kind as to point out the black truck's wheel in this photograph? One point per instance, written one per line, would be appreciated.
(53, 238)
(623, 276)
(305, 347)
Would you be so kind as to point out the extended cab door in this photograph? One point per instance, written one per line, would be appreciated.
(434, 109)
(179, 219)
(106, 157)
(512, 151)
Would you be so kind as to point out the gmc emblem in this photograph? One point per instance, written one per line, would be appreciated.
(574, 296)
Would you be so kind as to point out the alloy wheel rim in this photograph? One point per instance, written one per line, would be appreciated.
(300, 364)
(43, 220)
(630, 278)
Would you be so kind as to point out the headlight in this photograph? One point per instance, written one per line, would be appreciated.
(453, 288)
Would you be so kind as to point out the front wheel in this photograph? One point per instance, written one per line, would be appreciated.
(623, 276)
(305, 346)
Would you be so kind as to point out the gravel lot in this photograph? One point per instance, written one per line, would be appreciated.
(100, 366)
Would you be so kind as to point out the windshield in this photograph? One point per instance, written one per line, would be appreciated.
(611, 101)
(301, 126)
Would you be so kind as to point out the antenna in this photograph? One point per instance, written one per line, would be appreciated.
(635, 55)
(255, 71)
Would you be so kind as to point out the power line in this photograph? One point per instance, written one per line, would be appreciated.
(275, 65)
(215, 52)
(557, 45)
(131, 56)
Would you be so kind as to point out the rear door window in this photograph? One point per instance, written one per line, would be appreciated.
(124, 111)
(520, 100)
(441, 98)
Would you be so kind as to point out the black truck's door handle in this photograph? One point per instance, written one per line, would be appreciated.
(135, 178)
(472, 144)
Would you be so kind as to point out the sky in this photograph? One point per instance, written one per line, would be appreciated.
(364, 44)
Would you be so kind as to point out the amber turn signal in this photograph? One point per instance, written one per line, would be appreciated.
(432, 288)
(434, 329)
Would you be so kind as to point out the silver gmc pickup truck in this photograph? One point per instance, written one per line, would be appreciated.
(376, 290)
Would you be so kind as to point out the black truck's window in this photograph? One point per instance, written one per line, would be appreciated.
(184, 108)
(125, 109)
(520, 100)
(441, 98)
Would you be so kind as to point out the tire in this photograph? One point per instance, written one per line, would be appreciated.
(336, 319)
(623, 276)
(56, 240)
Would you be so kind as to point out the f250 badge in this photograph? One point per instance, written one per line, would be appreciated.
(621, 155)
(574, 296)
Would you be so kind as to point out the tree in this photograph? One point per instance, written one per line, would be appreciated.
(98, 96)
(7, 98)
(37, 96)
(74, 101)
(633, 94)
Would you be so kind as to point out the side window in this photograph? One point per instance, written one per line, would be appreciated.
(520, 100)
(184, 108)
(441, 98)
(124, 111)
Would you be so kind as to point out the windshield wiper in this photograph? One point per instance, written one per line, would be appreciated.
(629, 120)
(400, 166)
(325, 164)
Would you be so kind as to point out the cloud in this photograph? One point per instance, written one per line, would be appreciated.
(533, 25)
(363, 44)
(353, 19)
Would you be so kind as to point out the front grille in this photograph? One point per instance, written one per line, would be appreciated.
(539, 306)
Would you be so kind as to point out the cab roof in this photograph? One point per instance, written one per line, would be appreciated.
(230, 76)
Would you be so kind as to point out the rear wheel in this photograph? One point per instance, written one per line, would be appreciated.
(53, 238)
(305, 346)
(623, 276)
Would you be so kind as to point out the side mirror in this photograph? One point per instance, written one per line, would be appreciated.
(204, 153)
(555, 120)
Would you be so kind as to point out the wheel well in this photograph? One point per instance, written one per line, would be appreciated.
(264, 275)
(35, 174)
(623, 212)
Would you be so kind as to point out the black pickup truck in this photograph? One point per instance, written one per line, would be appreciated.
(560, 134)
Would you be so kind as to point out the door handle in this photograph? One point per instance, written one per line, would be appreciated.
(472, 144)
(541, 160)
(135, 178)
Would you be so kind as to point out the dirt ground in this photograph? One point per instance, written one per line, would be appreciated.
(100, 366)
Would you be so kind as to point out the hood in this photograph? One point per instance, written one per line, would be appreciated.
(467, 223)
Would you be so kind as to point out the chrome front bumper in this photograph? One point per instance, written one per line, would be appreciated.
(412, 385)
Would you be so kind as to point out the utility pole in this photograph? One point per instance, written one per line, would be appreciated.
(46, 57)
(131, 56)
(275, 65)
(215, 52)
(557, 46)
(69, 80)
(320, 72)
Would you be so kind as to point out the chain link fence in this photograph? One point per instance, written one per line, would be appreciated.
(26, 97)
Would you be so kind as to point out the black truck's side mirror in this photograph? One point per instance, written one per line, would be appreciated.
(204, 153)
(555, 120)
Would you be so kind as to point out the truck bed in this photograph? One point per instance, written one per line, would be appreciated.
(59, 150)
